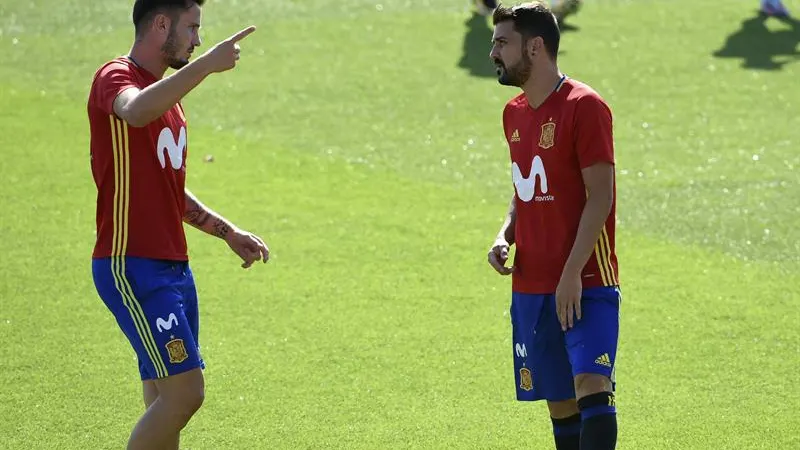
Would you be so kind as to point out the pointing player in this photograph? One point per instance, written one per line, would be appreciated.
(140, 261)
(565, 295)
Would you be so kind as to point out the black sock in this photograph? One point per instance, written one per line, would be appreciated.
(599, 422)
(567, 432)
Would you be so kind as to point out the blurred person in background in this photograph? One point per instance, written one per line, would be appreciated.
(560, 8)
(774, 8)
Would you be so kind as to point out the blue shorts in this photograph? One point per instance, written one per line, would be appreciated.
(155, 304)
(546, 359)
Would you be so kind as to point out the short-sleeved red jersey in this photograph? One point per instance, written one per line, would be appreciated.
(139, 172)
(549, 147)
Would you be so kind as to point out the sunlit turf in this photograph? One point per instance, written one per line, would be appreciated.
(366, 148)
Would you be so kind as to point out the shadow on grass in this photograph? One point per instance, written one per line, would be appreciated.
(760, 48)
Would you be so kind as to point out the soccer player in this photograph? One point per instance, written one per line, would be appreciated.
(565, 294)
(138, 159)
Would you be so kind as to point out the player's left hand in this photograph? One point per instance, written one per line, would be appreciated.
(568, 299)
(248, 246)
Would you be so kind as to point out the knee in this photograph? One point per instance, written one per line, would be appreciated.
(595, 395)
(193, 400)
(184, 401)
(185, 404)
(591, 383)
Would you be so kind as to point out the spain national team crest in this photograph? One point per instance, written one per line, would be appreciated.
(525, 379)
(548, 137)
(177, 351)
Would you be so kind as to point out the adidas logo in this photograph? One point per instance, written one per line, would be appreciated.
(603, 360)
(515, 136)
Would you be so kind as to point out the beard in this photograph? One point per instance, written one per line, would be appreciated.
(515, 75)
(171, 50)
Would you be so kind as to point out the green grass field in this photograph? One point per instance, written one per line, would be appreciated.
(364, 143)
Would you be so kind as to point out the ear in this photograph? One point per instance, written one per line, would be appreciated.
(535, 46)
(161, 23)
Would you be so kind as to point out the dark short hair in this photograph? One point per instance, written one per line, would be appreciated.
(532, 20)
(145, 10)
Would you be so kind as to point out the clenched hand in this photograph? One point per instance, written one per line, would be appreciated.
(498, 255)
(248, 246)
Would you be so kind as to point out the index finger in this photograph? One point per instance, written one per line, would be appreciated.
(242, 34)
(561, 312)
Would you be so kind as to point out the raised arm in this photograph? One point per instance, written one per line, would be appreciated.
(140, 107)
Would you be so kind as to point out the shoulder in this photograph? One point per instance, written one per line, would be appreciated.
(515, 105)
(584, 97)
(518, 102)
(117, 67)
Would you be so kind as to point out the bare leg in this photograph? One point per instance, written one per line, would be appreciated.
(564, 409)
(591, 383)
(150, 392)
(179, 397)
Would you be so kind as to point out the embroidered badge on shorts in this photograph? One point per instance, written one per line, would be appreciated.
(525, 379)
(177, 351)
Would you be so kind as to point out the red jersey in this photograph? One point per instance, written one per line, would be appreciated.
(139, 172)
(549, 146)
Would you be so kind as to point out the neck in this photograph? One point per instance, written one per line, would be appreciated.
(541, 84)
(148, 59)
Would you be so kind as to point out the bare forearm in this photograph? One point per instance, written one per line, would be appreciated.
(204, 219)
(155, 100)
(593, 218)
(507, 230)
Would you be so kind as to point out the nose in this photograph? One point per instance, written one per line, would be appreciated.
(493, 53)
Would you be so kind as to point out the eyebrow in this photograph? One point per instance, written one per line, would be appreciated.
(500, 38)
